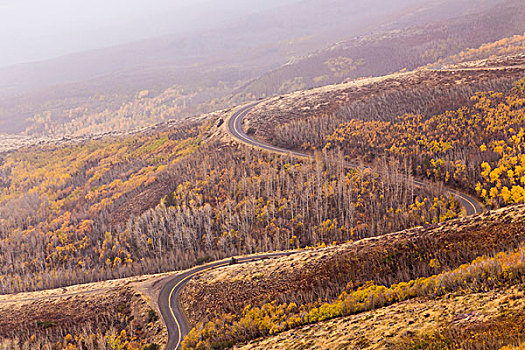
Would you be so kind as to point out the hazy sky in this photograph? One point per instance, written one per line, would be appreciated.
(33, 30)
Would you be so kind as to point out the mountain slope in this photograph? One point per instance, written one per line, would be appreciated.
(212, 69)
(386, 52)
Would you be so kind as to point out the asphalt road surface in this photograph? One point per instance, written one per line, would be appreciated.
(471, 204)
(176, 322)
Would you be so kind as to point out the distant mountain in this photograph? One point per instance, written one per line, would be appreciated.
(392, 50)
(239, 61)
(279, 33)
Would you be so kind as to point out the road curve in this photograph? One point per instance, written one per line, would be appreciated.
(176, 321)
(471, 204)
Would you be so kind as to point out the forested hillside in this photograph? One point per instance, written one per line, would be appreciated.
(184, 193)
(176, 195)
(387, 52)
(79, 212)
(302, 120)
(59, 204)
(307, 174)
(477, 147)
(500, 52)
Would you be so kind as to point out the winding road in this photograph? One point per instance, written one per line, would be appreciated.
(471, 204)
(176, 321)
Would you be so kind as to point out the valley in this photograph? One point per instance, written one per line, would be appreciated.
(307, 193)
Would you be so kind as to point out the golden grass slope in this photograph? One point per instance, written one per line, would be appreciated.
(415, 324)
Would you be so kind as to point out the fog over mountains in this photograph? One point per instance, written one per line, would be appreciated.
(124, 35)
(117, 47)
(42, 30)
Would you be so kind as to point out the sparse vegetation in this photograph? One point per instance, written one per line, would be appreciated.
(152, 316)
(203, 260)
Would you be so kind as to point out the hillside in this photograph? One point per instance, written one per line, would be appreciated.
(112, 314)
(61, 200)
(164, 199)
(369, 241)
(265, 54)
(107, 207)
(386, 52)
(438, 121)
(196, 67)
(307, 119)
(432, 264)
(468, 320)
